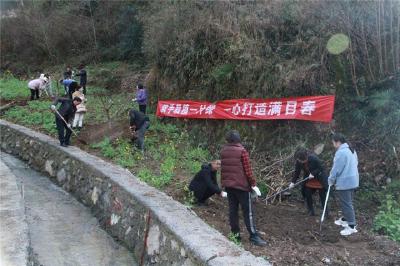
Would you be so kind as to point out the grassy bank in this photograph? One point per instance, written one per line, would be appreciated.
(170, 159)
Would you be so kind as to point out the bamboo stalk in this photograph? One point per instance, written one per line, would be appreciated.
(398, 37)
(366, 51)
(378, 33)
(392, 46)
(385, 60)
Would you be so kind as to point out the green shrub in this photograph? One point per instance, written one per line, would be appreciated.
(36, 114)
(387, 221)
(12, 88)
(189, 198)
(106, 148)
(160, 181)
(235, 238)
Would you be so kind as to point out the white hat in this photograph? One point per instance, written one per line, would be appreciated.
(42, 76)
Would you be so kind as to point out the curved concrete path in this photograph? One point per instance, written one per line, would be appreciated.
(61, 230)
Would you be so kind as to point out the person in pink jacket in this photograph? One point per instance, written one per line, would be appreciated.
(35, 85)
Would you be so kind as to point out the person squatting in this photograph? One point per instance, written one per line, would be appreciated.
(239, 185)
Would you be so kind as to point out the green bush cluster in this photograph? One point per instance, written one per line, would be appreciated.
(387, 221)
(12, 88)
(165, 144)
(36, 114)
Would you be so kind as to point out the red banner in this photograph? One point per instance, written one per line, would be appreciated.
(312, 108)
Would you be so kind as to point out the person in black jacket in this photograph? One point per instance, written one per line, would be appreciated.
(312, 167)
(66, 111)
(83, 77)
(204, 184)
(139, 123)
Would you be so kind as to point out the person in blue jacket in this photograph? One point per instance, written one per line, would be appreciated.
(344, 176)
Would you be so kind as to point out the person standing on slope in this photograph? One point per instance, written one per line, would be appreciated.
(344, 176)
(83, 77)
(63, 116)
(238, 181)
(141, 98)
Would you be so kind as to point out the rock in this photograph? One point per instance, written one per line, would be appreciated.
(153, 240)
(378, 179)
(183, 252)
(326, 260)
(48, 166)
(61, 176)
(95, 195)
(114, 219)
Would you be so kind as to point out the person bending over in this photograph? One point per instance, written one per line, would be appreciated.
(35, 85)
(313, 168)
(139, 123)
(204, 184)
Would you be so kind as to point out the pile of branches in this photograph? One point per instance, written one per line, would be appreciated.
(274, 172)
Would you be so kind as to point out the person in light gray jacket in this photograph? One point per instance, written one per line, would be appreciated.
(344, 175)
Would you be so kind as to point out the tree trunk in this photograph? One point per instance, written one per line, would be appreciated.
(398, 38)
(392, 45)
(378, 38)
(385, 60)
(367, 59)
(93, 27)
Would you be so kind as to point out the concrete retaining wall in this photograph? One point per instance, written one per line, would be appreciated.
(127, 208)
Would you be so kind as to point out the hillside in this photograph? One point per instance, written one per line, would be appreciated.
(203, 50)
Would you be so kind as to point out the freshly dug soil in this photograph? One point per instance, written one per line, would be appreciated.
(96, 133)
(294, 237)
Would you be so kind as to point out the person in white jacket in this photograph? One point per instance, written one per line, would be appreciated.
(35, 85)
(80, 109)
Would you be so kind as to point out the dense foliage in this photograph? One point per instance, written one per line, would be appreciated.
(232, 49)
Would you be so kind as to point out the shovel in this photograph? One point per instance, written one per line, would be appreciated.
(286, 189)
(69, 127)
(323, 213)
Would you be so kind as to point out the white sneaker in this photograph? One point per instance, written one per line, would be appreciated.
(348, 231)
(341, 222)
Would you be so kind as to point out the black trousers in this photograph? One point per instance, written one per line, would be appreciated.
(142, 108)
(308, 196)
(63, 136)
(34, 93)
(238, 197)
(202, 196)
(84, 88)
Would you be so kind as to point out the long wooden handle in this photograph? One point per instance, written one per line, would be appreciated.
(69, 127)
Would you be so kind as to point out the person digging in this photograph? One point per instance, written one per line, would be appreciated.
(64, 114)
(139, 124)
(238, 181)
(204, 183)
(313, 170)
